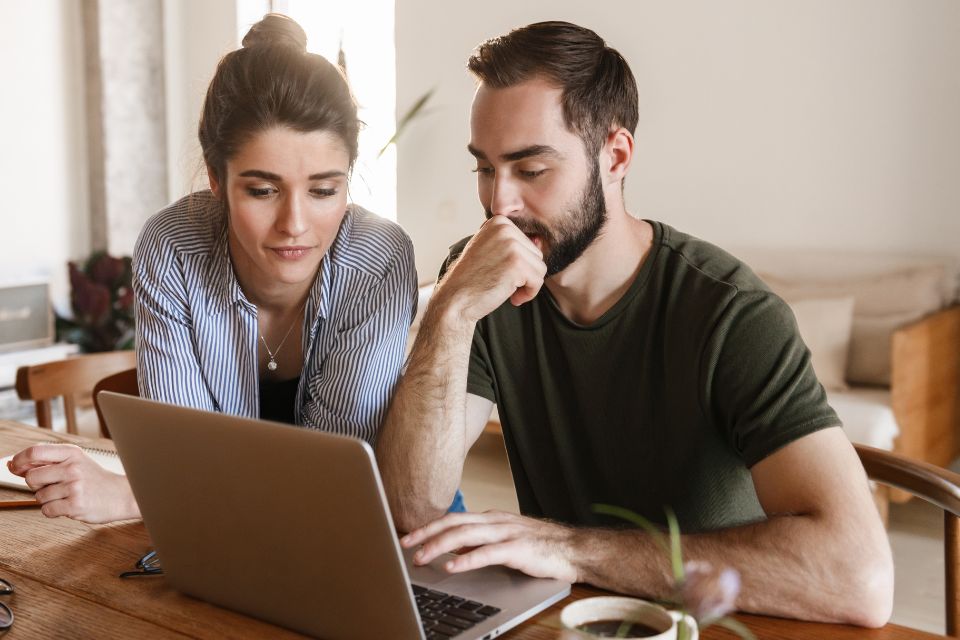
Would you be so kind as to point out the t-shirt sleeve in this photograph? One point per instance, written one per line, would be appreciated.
(759, 384)
(479, 376)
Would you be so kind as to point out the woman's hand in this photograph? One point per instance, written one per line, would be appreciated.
(67, 482)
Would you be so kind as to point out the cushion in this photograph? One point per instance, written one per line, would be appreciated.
(870, 347)
(825, 325)
(919, 290)
(883, 302)
(866, 416)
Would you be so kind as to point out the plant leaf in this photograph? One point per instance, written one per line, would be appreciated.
(637, 519)
(737, 627)
(683, 627)
(406, 118)
(676, 552)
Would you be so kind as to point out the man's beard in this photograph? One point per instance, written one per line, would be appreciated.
(574, 232)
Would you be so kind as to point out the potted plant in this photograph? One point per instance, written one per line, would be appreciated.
(101, 298)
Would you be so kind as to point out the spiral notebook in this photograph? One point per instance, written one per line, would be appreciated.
(109, 460)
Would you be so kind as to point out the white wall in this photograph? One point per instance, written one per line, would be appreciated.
(196, 36)
(44, 216)
(782, 124)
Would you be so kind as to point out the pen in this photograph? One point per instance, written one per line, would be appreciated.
(13, 504)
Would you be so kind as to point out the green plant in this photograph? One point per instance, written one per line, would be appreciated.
(101, 298)
(411, 114)
(407, 118)
(702, 591)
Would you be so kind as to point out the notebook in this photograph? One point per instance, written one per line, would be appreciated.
(291, 525)
(106, 459)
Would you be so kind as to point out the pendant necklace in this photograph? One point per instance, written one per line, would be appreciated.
(272, 364)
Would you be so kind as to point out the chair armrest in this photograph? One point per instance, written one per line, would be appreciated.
(937, 486)
(925, 387)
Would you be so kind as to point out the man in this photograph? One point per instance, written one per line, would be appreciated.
(631, 364)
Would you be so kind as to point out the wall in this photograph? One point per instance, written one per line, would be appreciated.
(777, 124)
(196, 36)
(44, 217)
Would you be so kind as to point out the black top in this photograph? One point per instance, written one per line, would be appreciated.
(278, 399)
(696, 374)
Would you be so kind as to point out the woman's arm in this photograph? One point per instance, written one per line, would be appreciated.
(69, 483)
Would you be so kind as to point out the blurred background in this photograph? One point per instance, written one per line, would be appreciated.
(787, 124)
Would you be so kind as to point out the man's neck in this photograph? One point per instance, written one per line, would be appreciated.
(601, 276)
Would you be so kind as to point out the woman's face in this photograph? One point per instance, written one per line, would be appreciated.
(287, 194)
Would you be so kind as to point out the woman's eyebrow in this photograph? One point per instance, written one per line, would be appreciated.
(258, 173)
(333, 173)
(267, 175)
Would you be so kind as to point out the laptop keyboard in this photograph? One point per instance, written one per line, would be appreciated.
(446, 616)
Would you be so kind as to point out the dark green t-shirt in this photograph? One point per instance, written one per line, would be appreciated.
(693, 376)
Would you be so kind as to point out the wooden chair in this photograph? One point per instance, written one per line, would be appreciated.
(122, 382)
(68, 378)
(937, 486)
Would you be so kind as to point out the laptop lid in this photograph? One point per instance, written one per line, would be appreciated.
(288, 524)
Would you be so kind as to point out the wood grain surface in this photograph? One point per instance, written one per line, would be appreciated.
(66, 578)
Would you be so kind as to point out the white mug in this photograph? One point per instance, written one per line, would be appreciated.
(592, 610)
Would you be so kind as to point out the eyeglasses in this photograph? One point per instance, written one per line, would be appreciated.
(6, 615)
(148, 565)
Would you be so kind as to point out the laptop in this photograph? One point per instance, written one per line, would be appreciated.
(291, 526)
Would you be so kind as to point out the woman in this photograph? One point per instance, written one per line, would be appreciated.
(267, 295)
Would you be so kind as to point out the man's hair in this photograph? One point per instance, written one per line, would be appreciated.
(599, 91)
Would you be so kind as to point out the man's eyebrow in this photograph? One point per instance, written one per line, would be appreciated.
(476, 153)
(527, 152)
(266, 175)
(531, 152)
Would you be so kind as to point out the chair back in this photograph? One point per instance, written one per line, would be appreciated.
(123, 382)
(68, 379)
(937, 486)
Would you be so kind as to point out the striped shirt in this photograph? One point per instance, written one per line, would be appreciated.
(197, 332)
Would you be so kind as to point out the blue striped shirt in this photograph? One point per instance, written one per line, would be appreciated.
(197, 332)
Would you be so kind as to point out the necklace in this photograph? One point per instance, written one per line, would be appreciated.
(272, 365)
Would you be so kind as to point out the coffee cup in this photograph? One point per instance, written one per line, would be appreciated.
(620, 617)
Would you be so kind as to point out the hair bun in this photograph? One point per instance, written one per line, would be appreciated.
(276, 29)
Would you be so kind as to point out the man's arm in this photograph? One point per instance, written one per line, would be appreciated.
(432, 421)
(822, 554)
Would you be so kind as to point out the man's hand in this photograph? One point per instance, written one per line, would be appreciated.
(536, 547)
(67, 482)
(498, 263)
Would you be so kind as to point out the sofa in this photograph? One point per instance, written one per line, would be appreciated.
(884, 334)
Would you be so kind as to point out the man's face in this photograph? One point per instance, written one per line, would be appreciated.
(535, 171)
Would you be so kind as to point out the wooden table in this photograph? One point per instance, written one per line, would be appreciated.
(65, 576)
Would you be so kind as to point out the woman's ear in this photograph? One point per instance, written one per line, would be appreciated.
(618, 150)
(214, 183)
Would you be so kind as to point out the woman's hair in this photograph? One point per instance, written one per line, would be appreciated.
(271, 81)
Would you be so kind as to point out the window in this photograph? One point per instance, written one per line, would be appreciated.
(363, 29)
